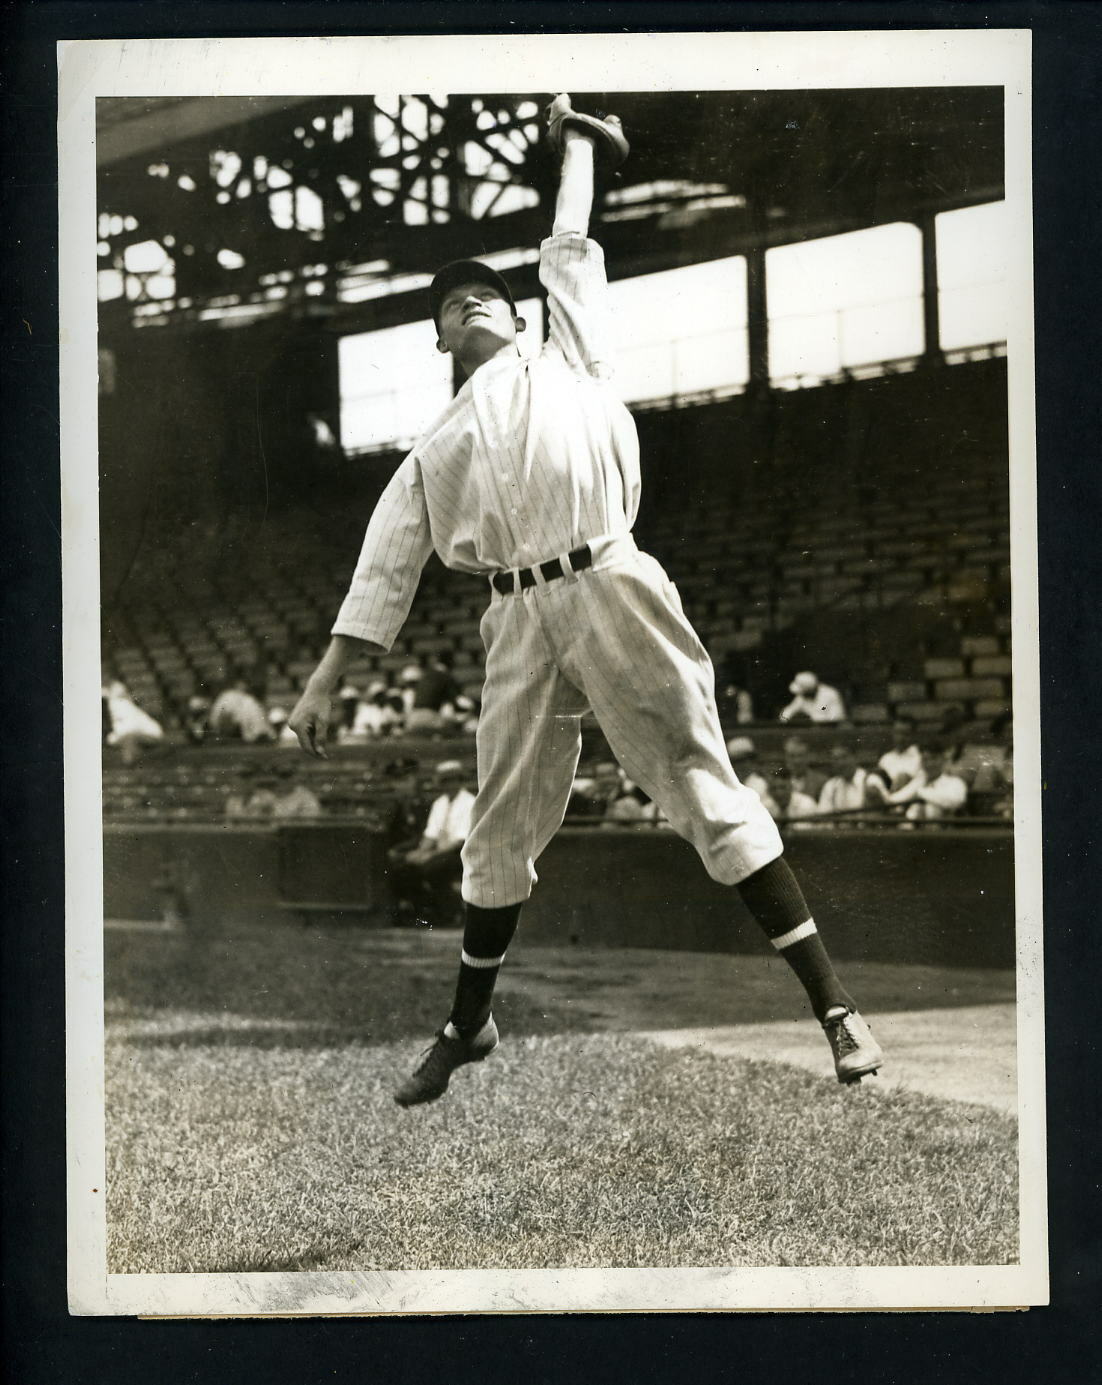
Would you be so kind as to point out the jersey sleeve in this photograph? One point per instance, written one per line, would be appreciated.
(572, 270)
(395, 549)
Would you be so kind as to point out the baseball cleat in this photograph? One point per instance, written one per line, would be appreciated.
(856, 1052)
(430, 1078)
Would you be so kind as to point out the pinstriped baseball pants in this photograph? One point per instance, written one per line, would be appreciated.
(612, 638)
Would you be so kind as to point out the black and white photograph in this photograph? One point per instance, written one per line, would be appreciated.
(550, 522)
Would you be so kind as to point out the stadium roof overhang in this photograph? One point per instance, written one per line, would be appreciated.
(405, 188)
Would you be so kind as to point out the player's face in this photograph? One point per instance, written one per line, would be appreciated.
(475, 314)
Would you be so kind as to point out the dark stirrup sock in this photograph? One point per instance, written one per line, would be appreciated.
(774, 897)
(487, 934)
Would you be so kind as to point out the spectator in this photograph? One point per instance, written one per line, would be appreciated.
(132, 730)
(630, 805)
(237, 800)
(934, 792)
(805, 778)
(846, 791)
(349, 698)
(995, 776)
(262, 801)
(785, 803)
(237, 715)
(426, 878)
(408, 679)
(744, 761)
(277, 720)
(375, 715)
(196, 716)
(294, 800)
(951, 733)
(592, 792)
(901, 763)
(813, 701)
(435, 696)
(733, 698)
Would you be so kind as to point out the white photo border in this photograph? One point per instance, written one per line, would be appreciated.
(396, 65)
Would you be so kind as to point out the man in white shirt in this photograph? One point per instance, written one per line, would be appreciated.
(531, 478)
(132, 729)
(901, 763)
(785, 803)
(744, 760)
(425, 877)
(846, 790)
(813, 701)
(933, 792)
(237, 714)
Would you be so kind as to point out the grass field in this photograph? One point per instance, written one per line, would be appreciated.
(250, 1127)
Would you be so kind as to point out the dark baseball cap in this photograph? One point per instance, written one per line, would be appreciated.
(465, 272)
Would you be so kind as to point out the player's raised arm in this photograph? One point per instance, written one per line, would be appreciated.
(572, 267)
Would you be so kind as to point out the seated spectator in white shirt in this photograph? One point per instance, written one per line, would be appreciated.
(901, 763)
(425, 879)
(934, 792)
(132, 729)
(743, 754)
(846, 791)
(236, 714)
(261, 802)
(786, 803)
(806, 779)
(813, 701)
(376, 713)
(294, 800)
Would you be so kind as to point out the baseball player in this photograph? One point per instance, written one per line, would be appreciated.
(531, 477)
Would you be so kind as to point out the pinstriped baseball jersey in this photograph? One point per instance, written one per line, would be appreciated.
(531, 459)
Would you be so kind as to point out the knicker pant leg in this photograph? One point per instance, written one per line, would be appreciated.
(652, 688)
(528, 743)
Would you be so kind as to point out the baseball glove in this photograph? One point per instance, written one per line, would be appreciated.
(607, 135)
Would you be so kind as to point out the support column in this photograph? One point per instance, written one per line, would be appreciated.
(931, 354)
(757, 320)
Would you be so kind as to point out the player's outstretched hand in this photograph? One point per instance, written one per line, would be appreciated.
(606, 133)
(310, 722)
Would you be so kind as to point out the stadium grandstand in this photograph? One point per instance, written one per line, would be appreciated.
(811, 315)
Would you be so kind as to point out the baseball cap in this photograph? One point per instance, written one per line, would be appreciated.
(739, 747)
(803, 683)
(465, 272)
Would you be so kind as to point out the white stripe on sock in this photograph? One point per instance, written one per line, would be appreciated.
(480, 963)
(795, 935)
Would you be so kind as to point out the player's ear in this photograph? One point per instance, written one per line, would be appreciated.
(442, 346)
(519, 323)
